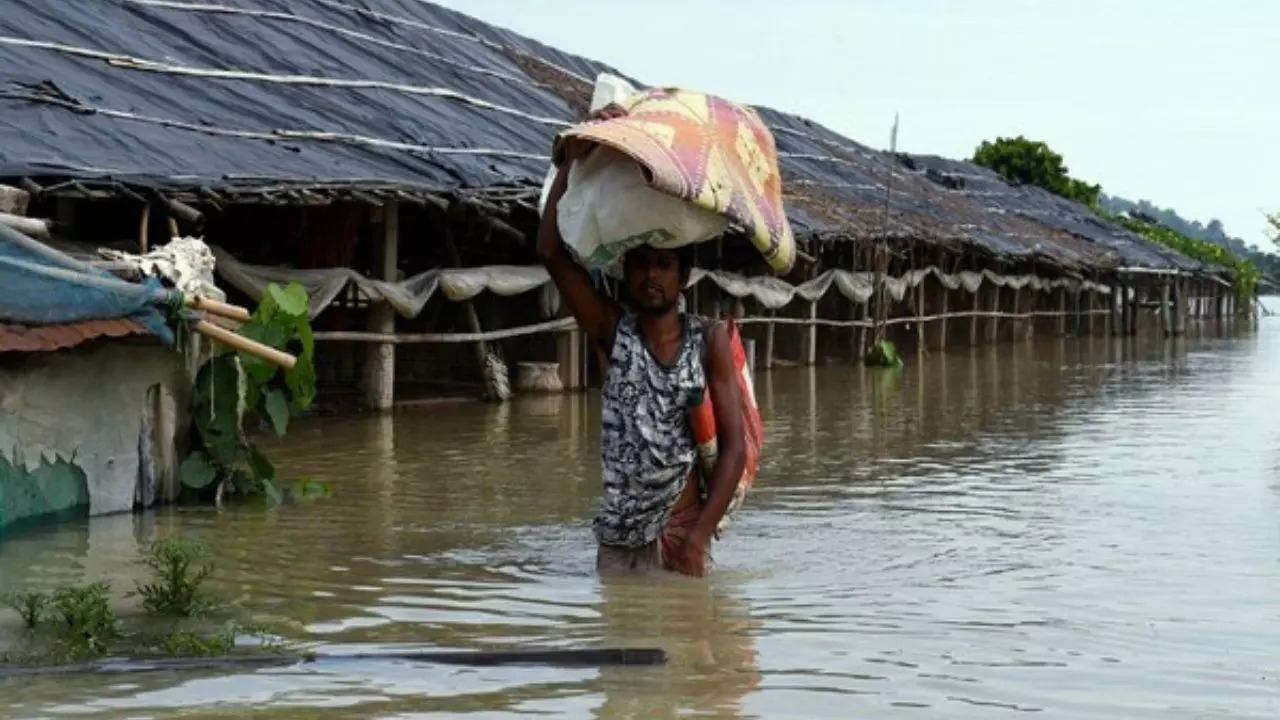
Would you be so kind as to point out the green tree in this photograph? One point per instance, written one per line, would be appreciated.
(1273, 221)
(1032, 162)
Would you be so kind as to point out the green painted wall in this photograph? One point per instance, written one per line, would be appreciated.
(51, 489)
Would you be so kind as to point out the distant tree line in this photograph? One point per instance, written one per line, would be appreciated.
(1032, 162)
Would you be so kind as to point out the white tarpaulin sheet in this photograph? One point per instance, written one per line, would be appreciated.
(410, 295)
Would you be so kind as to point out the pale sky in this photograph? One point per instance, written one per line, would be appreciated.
(1173, 101)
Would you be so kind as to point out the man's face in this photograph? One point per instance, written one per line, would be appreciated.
(653, 279)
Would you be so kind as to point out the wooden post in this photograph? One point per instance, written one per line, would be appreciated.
(473, 318)
(941, 322)
(568, 355)
(1088, 308)
(1183, 308)
(973, 319)
(1019, 329)
(768, 341)
(1219, 301)
(1134, 315)
(1115, 311)
(1062, 311)
(811, 337)
(864, 314)
(993, 322)
(380, 362)
(919, 314)
(1166, 318)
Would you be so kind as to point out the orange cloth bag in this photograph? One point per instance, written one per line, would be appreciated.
(702, 421)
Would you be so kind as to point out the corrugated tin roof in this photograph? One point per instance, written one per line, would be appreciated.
(44, 338)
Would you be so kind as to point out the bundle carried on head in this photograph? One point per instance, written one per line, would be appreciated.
(674, 168)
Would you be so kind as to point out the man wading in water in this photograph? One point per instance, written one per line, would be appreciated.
(653, 513)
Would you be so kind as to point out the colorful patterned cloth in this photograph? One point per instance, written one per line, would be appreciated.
(701, 148)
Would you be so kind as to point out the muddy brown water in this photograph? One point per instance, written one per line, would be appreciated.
(1080, 529)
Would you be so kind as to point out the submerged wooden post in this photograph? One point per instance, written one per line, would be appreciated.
(473, 319)
(1184, 306)
(1135, 317)
(941, 325)
(1125, 310)
(1113, 316)
(811, 336)
(768, 341)
(864, 314)
(569, 356)
(1088, 308)
(993, 321)
(380, 362)
(919, 314)
(1019, 331)
(1062, 311)
(973, 319)
(1166, 320)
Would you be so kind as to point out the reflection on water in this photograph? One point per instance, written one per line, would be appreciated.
(1087, 529)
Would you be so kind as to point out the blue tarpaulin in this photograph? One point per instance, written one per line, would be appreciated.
(42, 286)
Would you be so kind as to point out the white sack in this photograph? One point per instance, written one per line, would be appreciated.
(608, 208)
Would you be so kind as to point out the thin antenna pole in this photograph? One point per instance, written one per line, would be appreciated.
(880, 245)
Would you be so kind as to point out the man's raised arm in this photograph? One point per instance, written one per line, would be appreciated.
(596, 313)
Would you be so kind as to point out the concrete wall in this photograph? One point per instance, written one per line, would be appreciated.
(103, 424)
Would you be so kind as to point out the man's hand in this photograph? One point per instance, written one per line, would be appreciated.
(608, 112)
(692, 552)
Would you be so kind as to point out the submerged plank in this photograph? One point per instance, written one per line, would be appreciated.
(585, 657)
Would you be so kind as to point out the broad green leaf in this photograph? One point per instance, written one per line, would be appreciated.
(196, 472)
(277, 408)
(291, 301)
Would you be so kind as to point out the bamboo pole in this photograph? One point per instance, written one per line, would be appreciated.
(240, 342)
(213, 307)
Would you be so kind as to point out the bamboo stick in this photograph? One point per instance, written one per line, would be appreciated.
(213, 307)
(240, 342)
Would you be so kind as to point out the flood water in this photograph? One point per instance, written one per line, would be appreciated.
(1081, 529)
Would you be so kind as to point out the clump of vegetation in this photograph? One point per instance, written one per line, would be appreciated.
(883, 354)
(77, 623)
(235, 390)
(29, 605)
(1245, 271)
(1032, 162)
(85, 618)
(179, 574)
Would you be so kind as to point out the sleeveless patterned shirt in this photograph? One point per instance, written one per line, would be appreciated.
(647, 448)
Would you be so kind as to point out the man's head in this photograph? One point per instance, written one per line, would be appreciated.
(654, 277)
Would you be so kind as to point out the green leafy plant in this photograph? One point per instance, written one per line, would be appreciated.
(85, 618)
(235, 389)
(883, 354)
(30, 605)
(178, 576)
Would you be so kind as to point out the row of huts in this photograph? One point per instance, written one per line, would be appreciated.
(389, 155)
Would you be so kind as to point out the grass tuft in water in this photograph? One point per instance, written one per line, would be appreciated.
(178, 577)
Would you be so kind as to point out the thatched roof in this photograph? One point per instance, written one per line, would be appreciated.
(297, 102)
